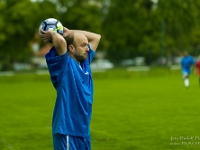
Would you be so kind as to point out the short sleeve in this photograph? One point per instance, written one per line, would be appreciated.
(57, 65)
(192, 61)
(90, 55)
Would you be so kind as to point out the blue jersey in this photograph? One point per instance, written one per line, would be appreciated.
(186, 63)
(74, 87)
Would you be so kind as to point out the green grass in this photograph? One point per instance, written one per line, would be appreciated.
(130, 112)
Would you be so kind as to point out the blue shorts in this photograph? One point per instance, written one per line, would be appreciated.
(185, 73)
(65, 142)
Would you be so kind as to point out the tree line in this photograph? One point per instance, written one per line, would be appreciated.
(148, 28)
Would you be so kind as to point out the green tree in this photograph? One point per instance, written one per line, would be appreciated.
(25, 17)
(149, 28)
(80, 14)
(126, 26)
(179, 20)
(129, 29)
(195, 31)
(20, 20)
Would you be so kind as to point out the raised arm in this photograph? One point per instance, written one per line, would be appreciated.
(60, 44)
(93, 38)
(57, 40)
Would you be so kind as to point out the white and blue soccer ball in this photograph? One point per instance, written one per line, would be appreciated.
(51, 24)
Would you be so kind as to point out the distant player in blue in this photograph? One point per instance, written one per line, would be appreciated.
(69, 66)
(186, 63)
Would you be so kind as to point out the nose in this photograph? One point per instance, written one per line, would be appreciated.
(87, 49)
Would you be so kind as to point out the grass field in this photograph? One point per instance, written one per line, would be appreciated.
(130, 112)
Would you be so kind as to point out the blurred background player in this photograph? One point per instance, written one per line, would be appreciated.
(186, 63)
(198, 68)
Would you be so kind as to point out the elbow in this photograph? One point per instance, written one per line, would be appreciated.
(94, 44)
(98, 37)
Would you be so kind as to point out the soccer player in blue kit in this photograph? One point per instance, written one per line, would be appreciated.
(69, 66)
(186, 62)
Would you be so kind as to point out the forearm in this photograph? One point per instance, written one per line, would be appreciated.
(57, 40)
(93, 38)
(59, 43)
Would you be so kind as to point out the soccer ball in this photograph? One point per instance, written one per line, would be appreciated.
(51, 24)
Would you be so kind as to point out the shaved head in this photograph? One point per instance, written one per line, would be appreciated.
(80, 38)
(74, 38)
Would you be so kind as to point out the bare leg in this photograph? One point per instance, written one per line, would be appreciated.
(186, 81)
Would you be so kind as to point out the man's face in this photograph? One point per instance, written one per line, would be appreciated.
(185, 54)
(81, 47)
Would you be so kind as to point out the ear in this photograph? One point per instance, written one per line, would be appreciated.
(71, 48)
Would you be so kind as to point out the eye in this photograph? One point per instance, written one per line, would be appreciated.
(84, 44)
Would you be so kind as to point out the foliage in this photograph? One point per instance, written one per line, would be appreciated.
(129, 29)
(143, 28)
(19, 29)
